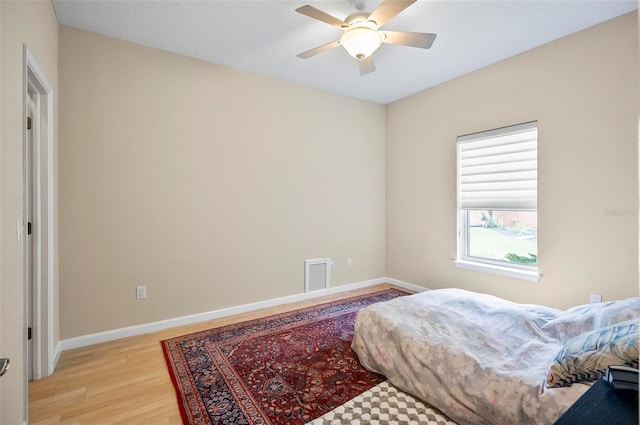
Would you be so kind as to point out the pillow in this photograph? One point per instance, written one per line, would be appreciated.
(585, 357)
(618, 311)
(589, 317)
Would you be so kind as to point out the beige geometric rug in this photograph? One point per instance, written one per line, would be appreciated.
(383, 405)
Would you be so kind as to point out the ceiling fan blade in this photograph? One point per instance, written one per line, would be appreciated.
(314, 13)
(366, 65)
(320, 49)
(413, 39)
(387, 10)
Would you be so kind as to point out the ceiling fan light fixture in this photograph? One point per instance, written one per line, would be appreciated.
(361, 31)
(361, 41)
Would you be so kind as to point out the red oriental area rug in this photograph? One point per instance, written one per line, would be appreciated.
(284, 369)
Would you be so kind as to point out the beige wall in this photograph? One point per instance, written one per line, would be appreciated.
(208, 185)
(583, 90)
(33, 23)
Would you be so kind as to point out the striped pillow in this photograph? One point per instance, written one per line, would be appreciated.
(585, 357)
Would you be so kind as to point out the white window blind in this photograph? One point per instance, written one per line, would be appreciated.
(498, 169)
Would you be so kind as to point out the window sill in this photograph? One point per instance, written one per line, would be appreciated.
(532, 276)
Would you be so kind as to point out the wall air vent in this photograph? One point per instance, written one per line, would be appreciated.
(317, 274)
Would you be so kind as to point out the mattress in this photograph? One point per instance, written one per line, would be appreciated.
(477, 358)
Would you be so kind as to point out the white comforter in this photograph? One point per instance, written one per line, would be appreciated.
(477, 358)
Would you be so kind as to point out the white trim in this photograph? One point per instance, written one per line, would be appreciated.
(505, 271)
(56, 355)
(84, 340)
(406, 285)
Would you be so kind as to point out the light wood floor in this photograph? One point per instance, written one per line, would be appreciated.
(127, 381)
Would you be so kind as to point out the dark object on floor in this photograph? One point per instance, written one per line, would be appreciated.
(602, 405)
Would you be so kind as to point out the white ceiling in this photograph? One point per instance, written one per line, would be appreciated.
(264, 36)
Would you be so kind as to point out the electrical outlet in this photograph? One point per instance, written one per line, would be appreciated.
(596, 298)
(349, 262)
(141, 292)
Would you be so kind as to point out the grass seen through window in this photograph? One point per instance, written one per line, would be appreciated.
(506, 236)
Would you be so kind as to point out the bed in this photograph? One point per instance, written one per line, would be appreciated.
(483, 360)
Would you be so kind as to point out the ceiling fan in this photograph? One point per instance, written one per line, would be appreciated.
(362, 35)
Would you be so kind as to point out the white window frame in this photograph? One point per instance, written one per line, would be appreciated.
(519, 271)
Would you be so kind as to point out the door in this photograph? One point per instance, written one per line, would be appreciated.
(30, 223)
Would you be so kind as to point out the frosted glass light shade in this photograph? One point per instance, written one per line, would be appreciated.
(361, 42)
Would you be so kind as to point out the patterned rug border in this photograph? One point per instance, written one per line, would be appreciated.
(258, 326)
(174, 380)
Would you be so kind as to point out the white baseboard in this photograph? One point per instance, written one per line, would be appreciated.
(56, 356)
(406, 285)
(84, 340)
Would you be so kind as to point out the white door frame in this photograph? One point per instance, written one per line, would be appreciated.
(43, 218)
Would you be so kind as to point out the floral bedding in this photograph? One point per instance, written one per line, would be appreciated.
(477, 358)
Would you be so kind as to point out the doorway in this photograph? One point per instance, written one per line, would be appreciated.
(38, 222)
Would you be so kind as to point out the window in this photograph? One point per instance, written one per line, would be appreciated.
(497, 201)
